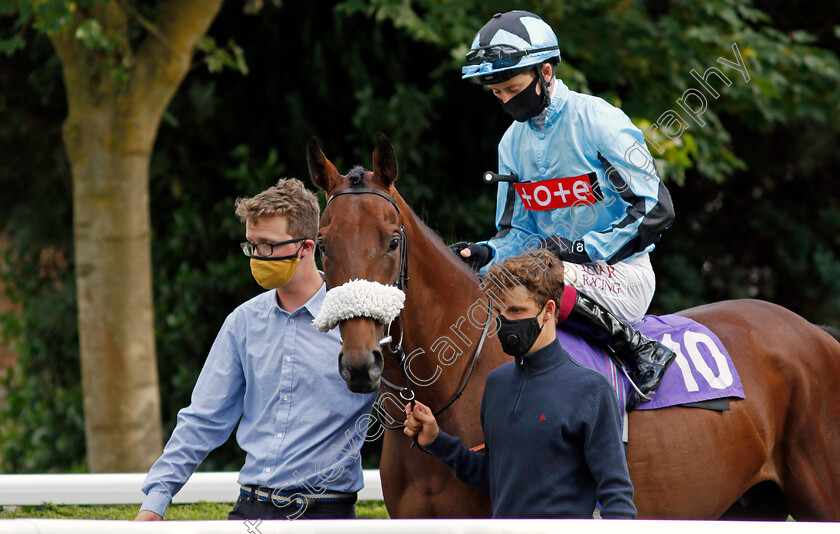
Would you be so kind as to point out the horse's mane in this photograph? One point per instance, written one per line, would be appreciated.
(356, 176)
(434, 237)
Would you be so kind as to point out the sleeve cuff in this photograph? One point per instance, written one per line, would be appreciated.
(442, 444)
(157, 502)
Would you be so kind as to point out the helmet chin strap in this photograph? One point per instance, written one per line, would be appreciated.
(545, 85)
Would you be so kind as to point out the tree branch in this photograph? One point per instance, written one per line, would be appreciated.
(159, 69)
(148, 25)
(80, 64)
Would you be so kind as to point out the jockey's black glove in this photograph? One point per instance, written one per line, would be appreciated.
(480, 255)
(572, 252)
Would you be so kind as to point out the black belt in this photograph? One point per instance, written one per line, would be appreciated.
(298, 498)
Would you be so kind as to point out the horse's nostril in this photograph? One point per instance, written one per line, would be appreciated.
(342, 369)
(375, 370)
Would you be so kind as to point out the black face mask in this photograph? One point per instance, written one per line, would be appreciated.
(527, 104)
(518, 335)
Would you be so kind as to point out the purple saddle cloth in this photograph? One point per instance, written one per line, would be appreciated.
(702, 370)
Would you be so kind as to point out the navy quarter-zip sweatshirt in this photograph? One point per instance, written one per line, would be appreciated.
(552, 441)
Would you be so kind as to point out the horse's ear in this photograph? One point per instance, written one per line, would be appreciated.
(321, 170)
(384, 161)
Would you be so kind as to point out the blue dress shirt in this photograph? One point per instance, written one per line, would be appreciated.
(300, 426)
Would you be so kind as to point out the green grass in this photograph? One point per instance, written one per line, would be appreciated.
(198, 511)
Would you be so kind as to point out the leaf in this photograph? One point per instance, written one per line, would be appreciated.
(90, 33)
(802, 36)
(8, 7)
(217, 59)
(239, 62)
(206, 44)
(12, 45)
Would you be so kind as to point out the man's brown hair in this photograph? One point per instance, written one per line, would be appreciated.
(290, 198)
(540, 272)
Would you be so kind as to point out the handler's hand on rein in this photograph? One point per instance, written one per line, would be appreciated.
(422, 422)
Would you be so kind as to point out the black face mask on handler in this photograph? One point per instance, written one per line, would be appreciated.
(517, 336)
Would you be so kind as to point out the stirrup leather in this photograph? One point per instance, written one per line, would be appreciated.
(646, 359)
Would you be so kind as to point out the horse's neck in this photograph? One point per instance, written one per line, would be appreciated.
(445, 312)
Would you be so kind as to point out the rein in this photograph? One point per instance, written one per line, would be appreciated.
(406, 392)
(400, 353)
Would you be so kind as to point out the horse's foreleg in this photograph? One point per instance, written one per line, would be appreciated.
(416, 485)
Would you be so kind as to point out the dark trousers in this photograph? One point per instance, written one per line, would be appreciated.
(250, 508)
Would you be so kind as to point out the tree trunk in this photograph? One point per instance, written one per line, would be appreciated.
(114, 290)
(109, 134)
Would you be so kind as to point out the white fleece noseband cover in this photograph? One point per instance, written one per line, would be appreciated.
(359, 298)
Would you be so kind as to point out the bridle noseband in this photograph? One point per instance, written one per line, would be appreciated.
(406, 392)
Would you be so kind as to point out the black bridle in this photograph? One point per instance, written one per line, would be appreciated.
(402, 272)
(402, 280)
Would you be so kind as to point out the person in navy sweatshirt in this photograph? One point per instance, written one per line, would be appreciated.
(551, 426)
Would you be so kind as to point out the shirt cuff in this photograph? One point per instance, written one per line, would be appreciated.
(157, 502)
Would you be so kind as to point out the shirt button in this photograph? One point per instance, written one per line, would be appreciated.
(291, 320)
(279, 434)
(285, 397)
(542, 170)
(541, 136)
(267, 469)
(288, 359)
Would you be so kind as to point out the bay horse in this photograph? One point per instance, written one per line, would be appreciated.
(775, 452)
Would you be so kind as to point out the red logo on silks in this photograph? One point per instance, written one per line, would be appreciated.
(542, 417)
(559, 192)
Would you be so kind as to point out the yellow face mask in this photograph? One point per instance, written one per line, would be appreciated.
(273, 274)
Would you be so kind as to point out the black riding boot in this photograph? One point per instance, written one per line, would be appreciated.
(646, 358)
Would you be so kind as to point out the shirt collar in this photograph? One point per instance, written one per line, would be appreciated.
(545, 359)
(313, 305)
(551, 113)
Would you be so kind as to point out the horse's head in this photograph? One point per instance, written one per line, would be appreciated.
(361, 240)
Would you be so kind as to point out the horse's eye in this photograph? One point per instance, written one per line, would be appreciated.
(395, 242)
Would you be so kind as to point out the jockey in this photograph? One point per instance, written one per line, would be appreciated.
(575, 177)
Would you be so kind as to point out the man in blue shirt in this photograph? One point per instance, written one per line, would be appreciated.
(552, 440)
(274, 373)
(576, 178)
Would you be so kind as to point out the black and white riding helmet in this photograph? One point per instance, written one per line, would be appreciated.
(508, 45)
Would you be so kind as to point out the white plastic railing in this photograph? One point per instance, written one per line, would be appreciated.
(411, 526)
(124, 488)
